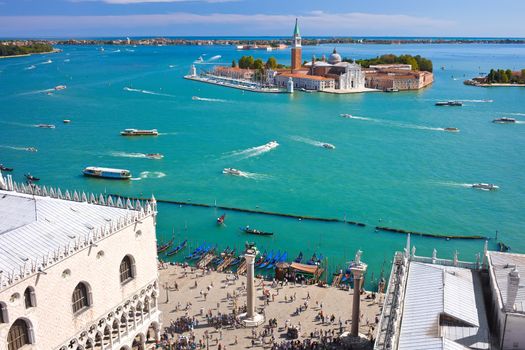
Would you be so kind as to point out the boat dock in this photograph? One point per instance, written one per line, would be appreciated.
(234, 83)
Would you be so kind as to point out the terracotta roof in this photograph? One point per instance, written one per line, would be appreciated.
(304, 76)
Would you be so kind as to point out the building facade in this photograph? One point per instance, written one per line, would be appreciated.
(400, 79)
(77, 271)
(303, 81)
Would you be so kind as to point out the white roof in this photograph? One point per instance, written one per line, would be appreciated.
(501, 265)
(109, 170)
(435, 291)
(32, 227)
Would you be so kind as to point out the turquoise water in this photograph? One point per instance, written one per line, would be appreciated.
(394, 168)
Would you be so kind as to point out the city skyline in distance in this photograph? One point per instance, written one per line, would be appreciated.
(99, 18)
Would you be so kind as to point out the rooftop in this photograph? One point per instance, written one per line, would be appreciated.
(503, 263)
(443, 309)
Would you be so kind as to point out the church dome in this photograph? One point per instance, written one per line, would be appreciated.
(334, 58)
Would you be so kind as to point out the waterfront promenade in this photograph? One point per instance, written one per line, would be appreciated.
(190, 296)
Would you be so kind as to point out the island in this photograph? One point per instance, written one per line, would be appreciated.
(499, 77)
(24, 49)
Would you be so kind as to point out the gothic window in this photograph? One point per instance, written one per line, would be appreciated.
(127, 269)
(18, 335)
(81, 297)
(29, 297)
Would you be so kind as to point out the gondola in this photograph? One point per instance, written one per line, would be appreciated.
(314, 260)
(261, 258)
(299, 258)
(252, 231)
(503, 247)
(220, 219)
(282, 258)
(164, 247)
(4, 168)
(196, 251)
(30, 177)
(268, 258)
(177, 248)
(271, 260)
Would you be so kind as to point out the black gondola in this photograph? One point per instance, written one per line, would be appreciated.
(4, 168)
(252, 231)
(30, 177)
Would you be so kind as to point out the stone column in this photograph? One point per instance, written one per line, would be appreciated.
(358, 270)
(250, 318)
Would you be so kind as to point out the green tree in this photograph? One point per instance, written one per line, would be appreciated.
(271, 63)
(246, 62)
(258, 64)
(234, 64)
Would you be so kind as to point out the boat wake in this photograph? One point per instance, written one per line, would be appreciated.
(253, 151)
(197, 98)
(521, 114)
(30, 67)
(453, 184)
(127, 155)
(46, 62)
(152, 175)
(310, 141)
(147, 92)
(477, 101)
(214, 58)
(395, 124)
(16, 148)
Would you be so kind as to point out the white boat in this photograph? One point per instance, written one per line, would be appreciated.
(45, 126)
(108, 173)
(328, 146)
(451, 129)
(67, 121)
(60, 87)
(31, 149)
(346, 115)
(136, 132)
(272, 144)
(231, 171)
(154, 156)
(486, 187)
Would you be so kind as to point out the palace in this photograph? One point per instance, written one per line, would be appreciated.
(77, 271)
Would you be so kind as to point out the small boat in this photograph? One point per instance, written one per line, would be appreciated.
(449, 103)
(31, 149)
(451, 129)
(231, 171)
(299, 258)
(109, 173)
(328, 146)
(315, 260)
(267, 260)
(163, 247)
(272, 261)
(261, 258)
(196, 251)
(502, 247)
(504, 120)
(45, 126)
(484, 186)
(346, 115)
(4, 168)
(177, 248)
(282, 258)
(391, 89)
(247, 229)
(60, 87)
(220, 219)
(66, 121)
(154, 156)
(136, 132)
(30, 177)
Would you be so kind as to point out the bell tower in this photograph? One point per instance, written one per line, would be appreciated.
(296, 48)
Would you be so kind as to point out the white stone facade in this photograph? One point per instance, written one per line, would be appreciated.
(353, 78)
(118, 313)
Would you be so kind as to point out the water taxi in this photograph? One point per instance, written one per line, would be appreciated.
(328, 146)
(449, 103)
(346, 115)
(109, 173)
(504, 120)
(60, 87)
(391, 89)
(136, 132)
(154, 156)
(45, 126)
(486, 187)
(231, 171)
(31, 149)
(451, 129)
(66, 121)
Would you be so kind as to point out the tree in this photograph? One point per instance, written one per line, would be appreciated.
(258, 64)
(271, 63)
(246, 62)
(234, 64)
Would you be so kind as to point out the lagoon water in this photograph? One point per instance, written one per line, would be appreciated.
(394, 166)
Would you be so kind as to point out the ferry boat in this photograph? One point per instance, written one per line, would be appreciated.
(486, 187)
(154, 156)
(449, 103)
(504, 120)
(451, 129)
(136, 132)
(328, 146)
(109, 173)
(60, 87)
(231, 171)
(45, 126)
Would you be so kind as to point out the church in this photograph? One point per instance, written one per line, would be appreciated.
(327, 75)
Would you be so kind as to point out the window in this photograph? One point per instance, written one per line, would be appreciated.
(3, 313)
(29, 297)
(81, 297)
(18, 335)
(127, 269)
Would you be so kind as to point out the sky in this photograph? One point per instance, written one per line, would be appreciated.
(108, 18)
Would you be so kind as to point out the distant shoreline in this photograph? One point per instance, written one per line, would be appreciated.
(30, 54)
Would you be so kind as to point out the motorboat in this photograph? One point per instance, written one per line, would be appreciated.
(31, 178)
(137, 132)
(231, 171)
(504, 120)
(328, 146)
(272, 144)
(449, 103)
(220, 219)
(66, 121)
(60, 87)
(451, 129)
(391, 89)
(108, 173)
(4, 168)
(45, 126)
(247, 229)
(346, 115)
(31, 149)
(484, 186)
(154, 156)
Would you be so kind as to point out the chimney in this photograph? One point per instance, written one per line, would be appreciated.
(513, 282)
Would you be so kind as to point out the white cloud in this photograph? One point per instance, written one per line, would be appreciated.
(315, 23)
